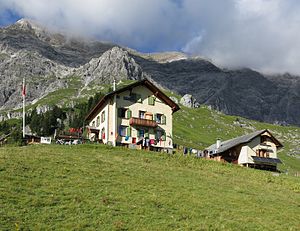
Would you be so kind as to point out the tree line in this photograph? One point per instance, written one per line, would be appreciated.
(44, 124)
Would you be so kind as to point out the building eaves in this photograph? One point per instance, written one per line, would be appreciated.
(156, 91)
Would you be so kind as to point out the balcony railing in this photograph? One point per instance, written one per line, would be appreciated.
(264, 147)
(142, 122)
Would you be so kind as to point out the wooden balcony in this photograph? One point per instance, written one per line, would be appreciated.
(142, 122)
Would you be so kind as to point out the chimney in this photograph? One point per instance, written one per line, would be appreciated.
(114, 85)
(218, 144)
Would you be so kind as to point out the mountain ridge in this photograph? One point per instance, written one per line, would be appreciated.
(51, 60)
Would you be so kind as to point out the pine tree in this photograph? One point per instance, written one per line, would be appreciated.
(35, 121)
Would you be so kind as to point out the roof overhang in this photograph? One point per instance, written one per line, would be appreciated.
(145, 82)
(265, 160)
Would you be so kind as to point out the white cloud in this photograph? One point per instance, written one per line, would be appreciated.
(261, 34)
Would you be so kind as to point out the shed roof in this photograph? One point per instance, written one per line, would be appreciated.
(145, 82)
(267, 160)
(228, 144)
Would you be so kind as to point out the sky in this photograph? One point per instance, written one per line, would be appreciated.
(260, 34)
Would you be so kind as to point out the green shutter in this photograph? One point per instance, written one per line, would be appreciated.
(151, 100)
(163, 119)
(163, 137)
(128, 131)
(128, 114)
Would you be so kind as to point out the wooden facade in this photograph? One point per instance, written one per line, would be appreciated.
(256, 150)
(142, 122)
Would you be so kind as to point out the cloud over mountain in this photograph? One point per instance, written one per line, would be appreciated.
(260, 34)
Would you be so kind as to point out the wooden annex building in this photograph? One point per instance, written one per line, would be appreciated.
(255, 150)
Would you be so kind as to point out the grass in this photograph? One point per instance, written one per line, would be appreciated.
(99, 187)
(199, 128)
(74, 82)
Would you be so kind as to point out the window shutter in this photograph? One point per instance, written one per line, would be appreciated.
(163, 137)
(151, 100)
(128, 131)
(128, 114)
(163, 119)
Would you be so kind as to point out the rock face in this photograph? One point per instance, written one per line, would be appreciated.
(189, 101)
(113, 64)
(50, 61)
(243, 92)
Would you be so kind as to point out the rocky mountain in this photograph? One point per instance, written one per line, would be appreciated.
(243, 92)
(51, 61)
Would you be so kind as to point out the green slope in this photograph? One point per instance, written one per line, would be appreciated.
(94, 187)
(199, 128)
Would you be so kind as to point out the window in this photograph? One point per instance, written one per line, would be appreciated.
(160, 135)
(98, 121)
(151, 100)
(142, 114)
(102, 116)
(148, 116)
(122, 131)
(93, 124)
(124, 113)
(262, 153)
(141, 133)
(160, 119)
(103, 133)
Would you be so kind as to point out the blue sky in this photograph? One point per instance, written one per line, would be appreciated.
(8, 17)
(260, 34)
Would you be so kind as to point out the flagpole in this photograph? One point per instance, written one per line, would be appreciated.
(23, 94)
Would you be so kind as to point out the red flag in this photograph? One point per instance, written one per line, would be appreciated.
(24, 89)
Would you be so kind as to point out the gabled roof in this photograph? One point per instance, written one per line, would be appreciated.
(228, 144)
(145, 82)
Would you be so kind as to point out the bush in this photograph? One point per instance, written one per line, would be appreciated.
(16, 137)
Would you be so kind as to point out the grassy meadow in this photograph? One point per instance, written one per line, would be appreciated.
(199, 128)
(97, 187)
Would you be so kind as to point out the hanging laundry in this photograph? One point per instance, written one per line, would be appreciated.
(185, 150)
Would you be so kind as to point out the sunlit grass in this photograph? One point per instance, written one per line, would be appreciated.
(96, 187)
(199, 128)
